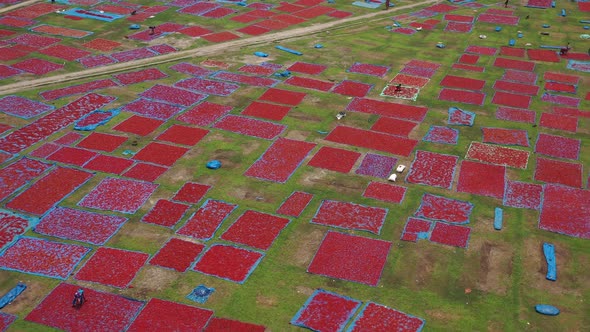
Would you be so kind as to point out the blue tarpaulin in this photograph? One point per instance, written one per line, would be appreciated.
(12, 294)
(547, 309)
(498, 216)
(549, 251)
(288, 50)
(214, 164)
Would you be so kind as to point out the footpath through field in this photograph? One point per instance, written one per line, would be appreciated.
(202, 51)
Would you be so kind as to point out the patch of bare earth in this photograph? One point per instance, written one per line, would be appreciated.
(495, 263)
(153, 279)
(304, 290)
(322, 179)
(307, 118)
(306, 247)
(442, 315)
(251, 195)
(299, 135)
(226, 157)
(143, 233)
(266, 301)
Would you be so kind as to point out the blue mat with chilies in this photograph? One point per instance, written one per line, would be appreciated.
(12, 294)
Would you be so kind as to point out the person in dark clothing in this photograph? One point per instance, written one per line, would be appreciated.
(398, 88)
(79, 299)
(506, 4)
(565, 50)
(152, 30)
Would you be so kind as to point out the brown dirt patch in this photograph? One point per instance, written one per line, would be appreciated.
(218, 137)
(266, 301)
(324, 180)
(225, 156)
(299, 135)
(12, 120)
(252, 59)
(306, 247)
(251, 195)
(174, 40)
(153, 279)
(495, 262)
(442, 315)
(308, 118)
(424, 268)
(178, 174)
(250, 147)
(143, 233)
(304, 290)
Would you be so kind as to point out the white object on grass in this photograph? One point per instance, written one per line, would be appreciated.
(392, 177)
(401, 168)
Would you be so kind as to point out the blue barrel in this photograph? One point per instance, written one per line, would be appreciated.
(511, 42)
(498, 29)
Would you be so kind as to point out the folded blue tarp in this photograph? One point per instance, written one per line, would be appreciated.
(12, 294)
(549, 251)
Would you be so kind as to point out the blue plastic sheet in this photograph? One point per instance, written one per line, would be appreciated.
(288, 50)
(549, 251)
(547, 309)
(498, 218)
(214, 164)
(12, 294)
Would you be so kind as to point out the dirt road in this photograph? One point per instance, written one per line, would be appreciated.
(211, 50)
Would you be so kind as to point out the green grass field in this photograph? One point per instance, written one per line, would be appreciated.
(505, 270)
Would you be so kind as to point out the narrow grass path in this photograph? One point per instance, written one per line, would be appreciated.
(204, 51)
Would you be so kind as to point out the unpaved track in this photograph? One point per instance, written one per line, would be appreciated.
(17, 5)
(211, 50)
